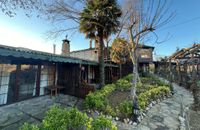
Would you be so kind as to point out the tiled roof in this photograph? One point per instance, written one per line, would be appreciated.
(38, 55)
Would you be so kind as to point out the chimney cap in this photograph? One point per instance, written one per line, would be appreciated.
(66, 40)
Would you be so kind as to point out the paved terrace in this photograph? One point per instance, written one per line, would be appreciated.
(33, 110)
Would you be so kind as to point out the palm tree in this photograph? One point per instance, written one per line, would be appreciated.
(99, 19)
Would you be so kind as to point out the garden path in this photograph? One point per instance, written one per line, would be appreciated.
(164, 115)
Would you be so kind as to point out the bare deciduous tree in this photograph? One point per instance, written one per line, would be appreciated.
(142, 17)
(65, 14)
(9, 7)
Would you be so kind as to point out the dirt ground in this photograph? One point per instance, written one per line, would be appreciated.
(117, 97)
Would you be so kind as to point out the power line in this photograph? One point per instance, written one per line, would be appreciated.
(181, 23)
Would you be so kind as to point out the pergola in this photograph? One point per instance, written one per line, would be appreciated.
(187, 65)
(182, 67)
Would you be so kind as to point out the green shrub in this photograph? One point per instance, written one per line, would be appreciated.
(56, 119)
(143, 100)
(152, 94)
(106, 90)
(61, 119)
(97, 100)
(139, 85)
(128, 77)
(151, 79)
(71, 119)
(77, 119)
(102, 123)
(109, 110)
(27, 126)
(160, 82)
(123, 84)
(145, 79)
(198, 83)
(126, 108)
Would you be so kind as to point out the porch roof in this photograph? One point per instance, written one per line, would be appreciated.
(19, 52)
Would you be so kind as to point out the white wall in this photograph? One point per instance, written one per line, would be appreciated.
(86, 55)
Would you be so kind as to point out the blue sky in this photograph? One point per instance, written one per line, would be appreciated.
(183, 30)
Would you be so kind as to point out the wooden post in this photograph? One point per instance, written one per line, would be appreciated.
(80, 74)
(170, 76)
(16, 93)
(193, 69)
(89, 76)
(56, 74)
(38, 81)
(184, 73)
(120, 70)
(178, 70)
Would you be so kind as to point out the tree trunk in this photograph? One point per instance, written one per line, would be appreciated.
(133, 55)
(135, 74)
(134, 88)
(120, 70)
(101, 60)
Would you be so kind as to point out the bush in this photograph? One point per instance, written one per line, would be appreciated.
(143, 101)
(152, 94)
(77, 119)
(109, 110)
(71, 119)
(145, 79)
(97, 100)
(128, 77)
(102, 123)
(106, 90)
(27, 126)
(61, 119)
(56, 118)
(160, 82)
(126, 108)
(123, 84)
(198, 83)
(151, 79)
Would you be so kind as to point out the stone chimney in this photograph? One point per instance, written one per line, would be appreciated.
(65, 47)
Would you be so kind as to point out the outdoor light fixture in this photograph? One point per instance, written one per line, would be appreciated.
(83, 68)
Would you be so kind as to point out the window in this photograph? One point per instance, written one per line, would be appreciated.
(47, 77)
(27, 77)
(7, 71)
(145, 53)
